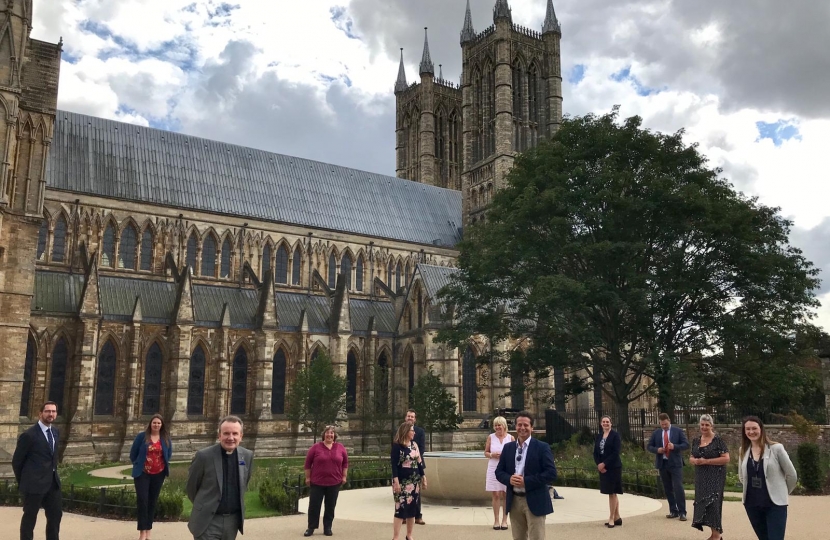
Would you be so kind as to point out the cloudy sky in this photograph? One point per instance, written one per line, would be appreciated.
(749, 80)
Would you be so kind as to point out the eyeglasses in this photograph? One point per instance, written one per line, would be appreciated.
(519, 455)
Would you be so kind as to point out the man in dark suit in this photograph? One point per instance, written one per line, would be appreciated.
(420, 440)
(526, 467)
(668, 443)
(35, 465)
(216, 484)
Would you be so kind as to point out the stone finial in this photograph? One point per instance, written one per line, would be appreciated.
(467, 31)
(502, 11)
(551, 23)
(340, 320)
(400, 84)
(266, 318)
(226, 316)
(90, 304)
(137, 314)
(183, 313)
(427, 67)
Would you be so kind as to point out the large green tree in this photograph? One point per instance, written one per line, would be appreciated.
(318, 395)
(436, 408)
(616, 250)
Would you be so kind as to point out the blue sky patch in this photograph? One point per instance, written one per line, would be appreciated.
(577, 73)
(624, 75)
(343, 22)
(778, 132)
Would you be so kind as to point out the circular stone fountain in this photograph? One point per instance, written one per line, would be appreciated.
(456, 479)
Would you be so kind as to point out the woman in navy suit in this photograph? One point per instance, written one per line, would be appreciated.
(150, 455)
(609, 465)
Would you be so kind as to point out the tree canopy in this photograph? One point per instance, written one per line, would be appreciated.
(436, 408)
(614, 250)
(318, 395)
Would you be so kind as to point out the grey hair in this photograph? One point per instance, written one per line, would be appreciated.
(708, 419)
(233, 420)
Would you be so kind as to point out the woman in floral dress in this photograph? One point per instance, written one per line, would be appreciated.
(709, 456)
(407, 477)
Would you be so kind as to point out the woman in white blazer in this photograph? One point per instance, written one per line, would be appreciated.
(768, 477)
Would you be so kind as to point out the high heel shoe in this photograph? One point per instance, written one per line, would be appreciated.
(618, 522)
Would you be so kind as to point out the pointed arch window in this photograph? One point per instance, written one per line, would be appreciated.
(190, 254)
(28, 377)
(152, 381)
(297, 268)
(278, 383)
(59, 240)
(358, 275)
(105, 380)
(398, 277)
(382, 384)
(209, 256)
(315, 354)
(127, 248)
(389, 271)
(351, 382)
(41, 240)
(147, 250)
(196, 382)
(225, 264)
(266, 260)
(57, 377)
(108, 246)
(419, 299)
(406, 275)
(239, 383)
(346, 269)
(332, 271)
(281, 275)
(468, 380)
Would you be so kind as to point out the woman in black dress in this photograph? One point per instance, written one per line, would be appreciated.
(709, 456)
(609, 465)
(408, 478)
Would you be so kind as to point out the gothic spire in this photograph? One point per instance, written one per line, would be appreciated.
(400, 84)
(502, 11)
(551, 23)
(427, 67)
(467, 32)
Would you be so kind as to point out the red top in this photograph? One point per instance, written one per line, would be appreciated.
(155, 459)
(327, 464)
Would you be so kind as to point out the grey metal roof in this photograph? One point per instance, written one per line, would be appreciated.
(57, 292)
(291, 305)
(435, 277)
(208, 302)
(112, 159)
(383, 312)
(118, 295)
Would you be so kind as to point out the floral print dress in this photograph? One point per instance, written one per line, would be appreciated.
(408, 468)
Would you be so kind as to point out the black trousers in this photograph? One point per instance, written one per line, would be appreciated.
(673, 486)
(147, 489)
(315, 501)
(51, 503)
(769, 523)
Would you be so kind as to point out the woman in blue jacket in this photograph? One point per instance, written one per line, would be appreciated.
(150, 455)
(609, 465)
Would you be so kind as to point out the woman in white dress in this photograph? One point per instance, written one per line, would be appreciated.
(492, 450)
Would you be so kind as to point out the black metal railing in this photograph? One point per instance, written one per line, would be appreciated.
(104, 501)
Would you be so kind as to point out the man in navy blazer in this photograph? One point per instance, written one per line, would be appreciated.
(35, 465)
(526, 467)
(668, 442)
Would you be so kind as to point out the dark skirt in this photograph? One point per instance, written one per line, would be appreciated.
(611, 481)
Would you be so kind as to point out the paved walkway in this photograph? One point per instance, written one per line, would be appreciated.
(807, 520)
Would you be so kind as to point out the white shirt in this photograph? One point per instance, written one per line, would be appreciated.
(520, 465)
(44, 428)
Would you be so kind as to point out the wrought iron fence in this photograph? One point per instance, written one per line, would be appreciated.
(362, 474)
(114, 502)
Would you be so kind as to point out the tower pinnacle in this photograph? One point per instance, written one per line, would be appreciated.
(400, 84)
(467, 32)
(427, 67)
(502, 11)
(551, 23)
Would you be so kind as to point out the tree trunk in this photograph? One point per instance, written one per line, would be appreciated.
(622, 422)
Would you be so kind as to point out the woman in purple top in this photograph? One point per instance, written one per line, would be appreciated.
(326, 466)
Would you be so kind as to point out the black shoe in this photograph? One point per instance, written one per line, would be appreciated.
(610, 526)
(308, 532)
(682, 517)
(618, 522)
(673, 515)
(327, 532)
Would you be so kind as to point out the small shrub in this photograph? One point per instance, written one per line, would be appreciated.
(273, 496)
(170, 505)
(804, 427)
(586, 436)
(809, 461)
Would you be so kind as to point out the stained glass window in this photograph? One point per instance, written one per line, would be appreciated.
(332, 271)
(105, 380)
(196, 382)
(351, 382)
(108, 246)
(239, 382)
(152, 381)
(209, 256)
(226, 259)
(190, 255)
(358, 275)
(346, 269)
(278, 383)
(281, 275)
(297, 269)
(147, 250)
(59, 240)
(126, 248)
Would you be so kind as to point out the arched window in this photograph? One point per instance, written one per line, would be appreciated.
(281, 275)
(209, 256)
(239, 384)
(59, 241)
(108, 246)
(358, 275)
(278, 383)
(389, 271)
(468, 376)
(105, 380)
(315, 354)
(127, 248)
(517, 389)
(190, 255)
(351, 382)
(406, 275)
(332, 271)
(147, 250)
(152, 381)
(41, 241)
(196, 382)
(398, 277)
(266, 260)
(419, 299)
(225, 265)
(411, 377)
(28, 375)
(346, 269)
(382, 384)
(57, 377)
(297, 269)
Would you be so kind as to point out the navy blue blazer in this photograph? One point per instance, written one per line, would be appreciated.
(138, 455)
(611, 452)
(34, 463)
(681, 443)
(540, 470)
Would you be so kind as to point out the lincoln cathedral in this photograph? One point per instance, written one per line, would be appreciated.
(146, 271)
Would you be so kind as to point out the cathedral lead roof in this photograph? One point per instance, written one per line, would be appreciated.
(551, 23)
(467, 32)
(502, 11)
(427, 67)
(400, 84)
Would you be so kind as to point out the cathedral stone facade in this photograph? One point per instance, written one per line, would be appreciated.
(145, 271)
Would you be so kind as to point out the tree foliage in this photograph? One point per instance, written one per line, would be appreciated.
(318, 396)
(436, 408)
(616, 250)
(375, 418)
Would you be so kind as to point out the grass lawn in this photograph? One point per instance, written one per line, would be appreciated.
(253, 508)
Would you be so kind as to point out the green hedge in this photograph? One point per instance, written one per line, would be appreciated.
(809, 462)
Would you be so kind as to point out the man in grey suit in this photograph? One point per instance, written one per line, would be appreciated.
(216, 484)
